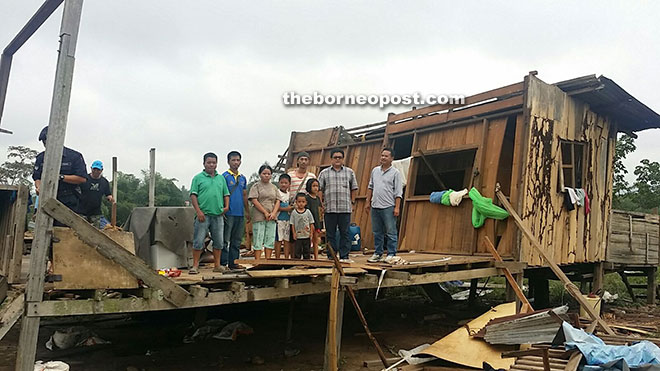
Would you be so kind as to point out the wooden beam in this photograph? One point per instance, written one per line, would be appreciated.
(156, 302)
(570, 287)
(331, 356)
(466, 113)
(20, 211)
(505, 90)
(107, 247)
(152, 177)
(11, 315)
(113, 211)
(435, 175)
(527, 307)
(59, 112)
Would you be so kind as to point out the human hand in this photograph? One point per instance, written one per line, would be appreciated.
(367, 207)
(396, 211)
(201, 217)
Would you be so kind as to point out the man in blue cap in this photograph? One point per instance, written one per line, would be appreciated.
(72, 174)
(93, 190)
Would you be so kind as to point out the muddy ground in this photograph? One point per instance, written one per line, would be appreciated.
(154, 341)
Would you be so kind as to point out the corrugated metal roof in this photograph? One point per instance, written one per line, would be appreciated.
(605, 97)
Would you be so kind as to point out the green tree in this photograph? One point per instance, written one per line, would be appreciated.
(18, 168)
(133, 192)
(625, 144)
(647, 185)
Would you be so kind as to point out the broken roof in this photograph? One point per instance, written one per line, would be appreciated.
(605, 97)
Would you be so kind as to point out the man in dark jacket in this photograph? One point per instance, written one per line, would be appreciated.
(72, 174)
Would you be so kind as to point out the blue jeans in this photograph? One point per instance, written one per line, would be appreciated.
(213, 223)
(341, 221)
(234, 230)
(383, 224)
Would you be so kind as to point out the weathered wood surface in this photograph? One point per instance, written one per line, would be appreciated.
(638, 245)
(12, 228)
(300, 272)
(547, 260)
(82, 267)
(110, 249)
(127, 305)
(567, 236)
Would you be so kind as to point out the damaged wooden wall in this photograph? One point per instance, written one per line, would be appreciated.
(361, 157)
(568, 236)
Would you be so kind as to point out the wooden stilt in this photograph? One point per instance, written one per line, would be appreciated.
(650, 285)
(473, 290)
(331, 352)
(49, 179)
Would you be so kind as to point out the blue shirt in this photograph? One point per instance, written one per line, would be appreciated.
(236, 203)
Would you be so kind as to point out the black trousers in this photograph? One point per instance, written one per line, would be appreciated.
(302, 248)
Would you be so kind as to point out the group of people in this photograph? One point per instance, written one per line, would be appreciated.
(287, 219)
(79, 190)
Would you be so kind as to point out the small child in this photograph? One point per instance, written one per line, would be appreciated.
(303, 224)
(314, 206)
(283, 226)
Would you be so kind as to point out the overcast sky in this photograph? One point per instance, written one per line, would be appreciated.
(209, 75)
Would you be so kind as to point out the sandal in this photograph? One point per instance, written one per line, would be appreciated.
(193, 270)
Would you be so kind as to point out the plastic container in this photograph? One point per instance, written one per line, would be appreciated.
(354, 237)
(594, 302)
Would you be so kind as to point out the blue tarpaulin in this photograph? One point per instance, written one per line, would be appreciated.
(600, 356)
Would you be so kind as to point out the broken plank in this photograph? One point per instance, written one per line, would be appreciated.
(11, 315)
(299, 272)
(508, 275)
(109, 248)
(570, 286)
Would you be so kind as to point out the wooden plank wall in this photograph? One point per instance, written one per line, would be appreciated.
(567, 236)
(634, 238)
(361, 157)
(12, 228)
(431, 227)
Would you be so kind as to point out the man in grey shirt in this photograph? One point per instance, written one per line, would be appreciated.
(384, 198)
(339, 187)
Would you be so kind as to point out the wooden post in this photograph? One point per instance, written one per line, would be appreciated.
(113, 216)
(570, 286)
(331, 351)
(152, 177)
(650, 285)
(49, 179)
(473, 290)
(16, 254)
(599, 276)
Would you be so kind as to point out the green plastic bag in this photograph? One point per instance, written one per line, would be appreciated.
(445, 198)
(483, 208)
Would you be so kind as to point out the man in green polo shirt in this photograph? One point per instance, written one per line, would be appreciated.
(210, 198)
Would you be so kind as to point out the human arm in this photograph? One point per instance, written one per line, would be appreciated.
(110, 199)
(398, 193)
(246, 205)
(273, 214)
(200, 215)
(367, 204)
(73, 179)
(226, 204)
(293, 231)
(37, 186)
(259, 207)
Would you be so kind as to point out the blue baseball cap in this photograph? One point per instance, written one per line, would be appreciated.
(97, 165)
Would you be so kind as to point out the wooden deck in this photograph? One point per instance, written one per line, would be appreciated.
(268, 280)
